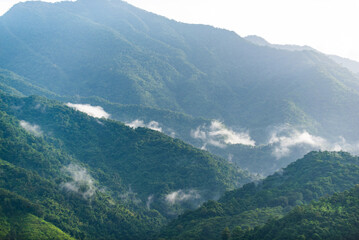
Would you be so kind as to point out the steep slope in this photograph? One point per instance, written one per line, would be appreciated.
(144, 158)
(65, 189)
(97, 178)
(330, 218)
(317, 174)
(18, 220)
(14, 84)
(125, 55)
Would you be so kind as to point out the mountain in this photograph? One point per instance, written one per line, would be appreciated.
(316, 175)
(125, 55)
(262, 42)
(329, 218)
(202, 133)
(61, 190)
(344, 62)
(94, 178)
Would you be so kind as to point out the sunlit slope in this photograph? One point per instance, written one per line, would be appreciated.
(115, 51)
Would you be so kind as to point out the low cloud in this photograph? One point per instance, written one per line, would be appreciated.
(285, 139)
(82, 183)
(31, 128)
(139, 123)
(130, 196)
(149, 201)
(181, 196)
(93, 111)
(217, 134)
(230, 158)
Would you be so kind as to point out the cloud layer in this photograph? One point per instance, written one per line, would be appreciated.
(217, 134)
(31, 128)
(93, 111)
(285, 139)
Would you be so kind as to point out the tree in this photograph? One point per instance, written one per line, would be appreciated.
(226, 234)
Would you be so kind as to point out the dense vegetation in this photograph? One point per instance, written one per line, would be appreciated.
(317, 174)
(113, 50)
(19, 220)
(143, 158)
(330, 218)
(97, 178)
(36, 170)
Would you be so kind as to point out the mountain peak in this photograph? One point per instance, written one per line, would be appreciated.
(257, 40)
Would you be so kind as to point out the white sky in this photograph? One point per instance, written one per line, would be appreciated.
(330, 26)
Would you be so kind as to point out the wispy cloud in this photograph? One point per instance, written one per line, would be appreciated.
(217, 134)
(139, 123)
(182, 196)
(31, 128)
(130, 196)
(93, 111)
(149, 201)
(82, 183)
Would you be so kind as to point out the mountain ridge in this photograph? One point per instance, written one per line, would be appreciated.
(129, 56)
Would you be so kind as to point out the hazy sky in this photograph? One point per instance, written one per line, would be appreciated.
(330, 26)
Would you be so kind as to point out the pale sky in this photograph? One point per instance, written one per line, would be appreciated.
(330, 26)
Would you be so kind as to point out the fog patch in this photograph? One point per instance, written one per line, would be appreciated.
(230, 158)
(82, 183)
(139, 123)
(129, 196)
(217, 134)
(40, 107)
(31, 128)
(149, 201)
(181, 196)
(93, 111)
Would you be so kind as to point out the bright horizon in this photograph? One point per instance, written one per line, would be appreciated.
(326, 25)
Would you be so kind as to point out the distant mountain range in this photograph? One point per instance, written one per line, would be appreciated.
(345, 62)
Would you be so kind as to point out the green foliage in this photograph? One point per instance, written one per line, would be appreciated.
(18, 220)
(317, 174)
(329, 218)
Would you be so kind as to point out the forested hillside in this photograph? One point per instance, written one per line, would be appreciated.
(330, 218)
(318, 174)
(87, 174)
